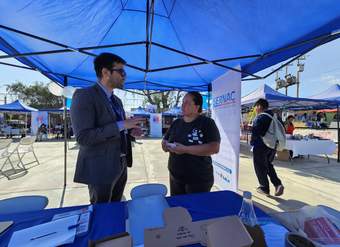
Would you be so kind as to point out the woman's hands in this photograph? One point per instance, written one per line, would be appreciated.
(199, 150)
(178, 148)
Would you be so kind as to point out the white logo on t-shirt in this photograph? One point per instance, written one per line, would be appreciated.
(196, 136)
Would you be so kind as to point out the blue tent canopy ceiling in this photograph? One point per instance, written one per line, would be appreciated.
(167, 43)
(16, 106)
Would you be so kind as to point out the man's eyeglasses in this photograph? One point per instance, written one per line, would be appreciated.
(120, 71)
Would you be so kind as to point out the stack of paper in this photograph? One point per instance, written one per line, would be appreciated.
(84, 218)
(51, 234)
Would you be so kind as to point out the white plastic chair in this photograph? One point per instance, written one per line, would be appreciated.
(22, 204)
(26, 146)
(145, 190)
(5, 155)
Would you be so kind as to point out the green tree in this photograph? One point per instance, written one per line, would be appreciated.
(163, 100)
(36, 95)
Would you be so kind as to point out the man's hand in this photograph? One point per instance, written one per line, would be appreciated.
(178, 149)
(136, 132)
(132, 123)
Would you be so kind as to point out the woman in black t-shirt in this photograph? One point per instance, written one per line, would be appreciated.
(191, 140)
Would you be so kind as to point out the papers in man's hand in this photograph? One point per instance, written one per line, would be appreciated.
(84, 218)
(51, 234)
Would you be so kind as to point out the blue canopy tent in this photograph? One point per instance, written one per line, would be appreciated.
(16, 106)
(331, 93)
(167, 43)
(279, 100)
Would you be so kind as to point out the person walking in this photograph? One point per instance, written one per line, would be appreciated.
(263, 156)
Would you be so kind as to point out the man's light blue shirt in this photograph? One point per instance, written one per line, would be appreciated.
(108, 94)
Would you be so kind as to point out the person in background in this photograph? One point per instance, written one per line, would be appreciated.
(191, 141)
(289, 126)
(314, 117)
(322, 120)
(263, 156)
(42, 132)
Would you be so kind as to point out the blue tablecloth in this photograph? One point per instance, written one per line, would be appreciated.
(109, 219)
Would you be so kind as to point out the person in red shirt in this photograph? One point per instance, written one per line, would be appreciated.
(289, 126)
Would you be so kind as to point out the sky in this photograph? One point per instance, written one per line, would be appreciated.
(322, 69)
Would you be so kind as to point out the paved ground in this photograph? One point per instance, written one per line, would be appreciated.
(308, 181)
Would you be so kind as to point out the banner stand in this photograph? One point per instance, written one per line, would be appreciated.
(226, 108)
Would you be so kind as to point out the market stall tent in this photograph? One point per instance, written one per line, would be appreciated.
(279, 100)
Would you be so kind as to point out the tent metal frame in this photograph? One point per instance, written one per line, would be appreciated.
(148, 44)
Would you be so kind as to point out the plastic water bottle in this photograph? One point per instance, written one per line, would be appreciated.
(247, 212)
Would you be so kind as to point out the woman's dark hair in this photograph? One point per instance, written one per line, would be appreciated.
(106, 60)
(197, 98)
(290, 116)
(263, 103)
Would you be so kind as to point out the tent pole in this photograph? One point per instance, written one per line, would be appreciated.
(337, 120)
(65, 140)
(147, 37)
(65, 146)
(25, 123)
(209, 99)
(49, 123)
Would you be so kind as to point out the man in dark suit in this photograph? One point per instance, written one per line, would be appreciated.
(103, 132)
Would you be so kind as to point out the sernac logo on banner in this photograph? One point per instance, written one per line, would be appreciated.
(228, 98)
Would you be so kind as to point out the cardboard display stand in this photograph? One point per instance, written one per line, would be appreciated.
(179, 230)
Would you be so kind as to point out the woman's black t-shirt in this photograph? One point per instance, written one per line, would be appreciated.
(186, 167)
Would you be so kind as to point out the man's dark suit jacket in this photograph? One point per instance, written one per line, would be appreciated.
(95, 127)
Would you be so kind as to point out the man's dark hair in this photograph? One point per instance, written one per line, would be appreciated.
(106, 60)
(290, 116)
(263, 103)
(197, 98)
